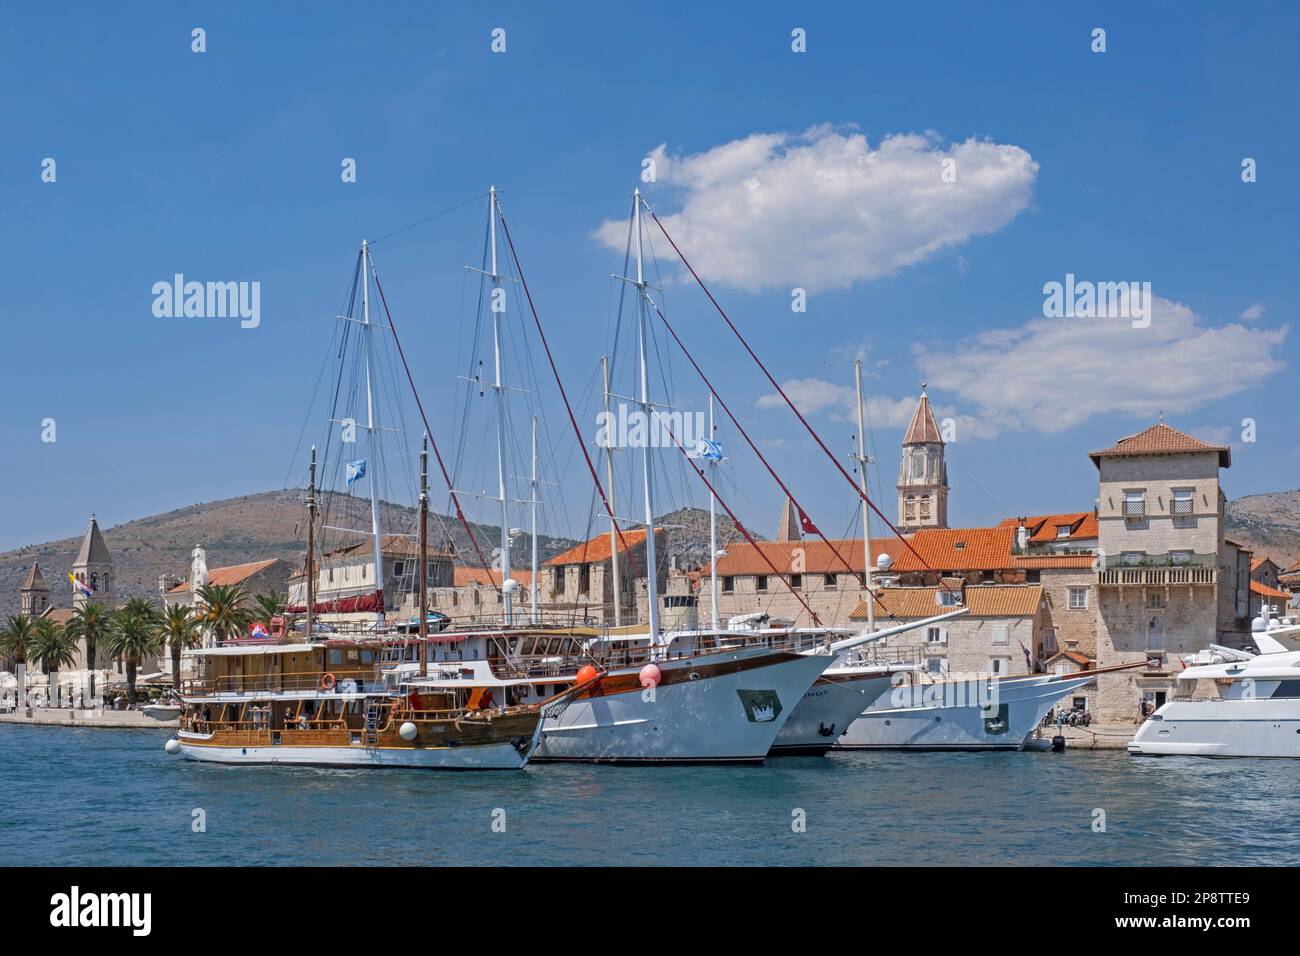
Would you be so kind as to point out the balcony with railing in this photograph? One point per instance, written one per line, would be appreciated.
(1134, 508)
(1158, 570)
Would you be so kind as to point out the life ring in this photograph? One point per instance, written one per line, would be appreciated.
(327, 682)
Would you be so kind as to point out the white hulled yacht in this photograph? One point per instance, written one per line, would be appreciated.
(1255, 712)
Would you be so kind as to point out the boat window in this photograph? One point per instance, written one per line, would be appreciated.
(1286, 688)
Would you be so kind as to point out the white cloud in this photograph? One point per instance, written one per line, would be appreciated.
(1051, 374)
(823, 210)
(1253, 313)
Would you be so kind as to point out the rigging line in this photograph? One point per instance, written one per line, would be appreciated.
(811, 431)
(749, 441)
(563, 394)
(421, 222)
(743, 530)
(460, 513)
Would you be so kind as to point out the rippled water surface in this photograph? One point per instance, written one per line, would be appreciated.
(97, 797)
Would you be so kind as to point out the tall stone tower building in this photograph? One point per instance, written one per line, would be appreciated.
(94, 568)
(34, 597)
(923, 473)
(1164, 578)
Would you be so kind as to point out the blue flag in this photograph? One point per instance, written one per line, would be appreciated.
(356, 469)
(708, 449)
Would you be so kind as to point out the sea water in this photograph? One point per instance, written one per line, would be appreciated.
(98, 797)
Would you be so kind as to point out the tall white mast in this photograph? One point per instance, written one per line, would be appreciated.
(713, 528)
(533, 500)
(372, 427)
(863, 461)
(613, 508)
(647, 464)
(498, 310)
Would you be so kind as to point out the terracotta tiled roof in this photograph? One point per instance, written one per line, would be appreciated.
(598, 548)
(1257, 563)
(1160, 439)
(234, 574)
(810, 557)
(991, 600)
(922, 428)
(1265, 591)
(463, 576)
(1043, 528)
(1083, 660)
(59, 615)
(956, 549)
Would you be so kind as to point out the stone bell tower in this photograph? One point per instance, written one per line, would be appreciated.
(923, 474)
(94, 568)
(34, 597)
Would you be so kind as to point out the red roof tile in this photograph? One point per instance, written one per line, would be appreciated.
(808, 557)
(1160, 439)
(1265, 591)
(234, 574)
(984, 600)
(598, 548)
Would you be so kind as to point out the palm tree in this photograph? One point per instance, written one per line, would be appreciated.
(89, 623)
(269, 605)
(221, 610)
(133, 635)
(16, 641)
(54, 648)
(179, 630)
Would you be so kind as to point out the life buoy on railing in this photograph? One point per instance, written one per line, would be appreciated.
(327, 682)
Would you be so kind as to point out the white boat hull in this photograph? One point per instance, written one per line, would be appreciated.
(827, 710)
(502, 756)
(905, 719)
(730, 713)
(1221, 728)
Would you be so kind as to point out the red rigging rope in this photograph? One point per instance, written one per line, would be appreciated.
(761, 457)
(811, 431)
(429, 431)
(582, 445)
(736, 521)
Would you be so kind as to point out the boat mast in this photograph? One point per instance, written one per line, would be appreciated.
(310, 568)
(863, 461)
(534, 502)
(713, 529)
(647, 465)
(609, 473)
(422, 563)
(498, 300)
(372, 466)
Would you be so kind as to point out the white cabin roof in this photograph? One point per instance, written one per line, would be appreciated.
(250, 650)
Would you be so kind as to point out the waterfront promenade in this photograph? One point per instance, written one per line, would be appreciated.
(68, 717)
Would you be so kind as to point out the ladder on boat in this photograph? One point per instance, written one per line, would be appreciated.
(374, 713)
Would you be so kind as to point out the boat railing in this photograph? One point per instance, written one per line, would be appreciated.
(366, 679)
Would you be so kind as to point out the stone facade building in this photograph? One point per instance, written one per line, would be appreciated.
(1168, 579)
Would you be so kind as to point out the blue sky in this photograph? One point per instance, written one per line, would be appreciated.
(225, 166)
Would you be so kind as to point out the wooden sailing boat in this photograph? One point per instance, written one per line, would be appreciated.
(357, 697)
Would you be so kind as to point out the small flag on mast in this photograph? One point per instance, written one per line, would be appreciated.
(805, 523)
(356, 469)
(80, 587)
(708, 449)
